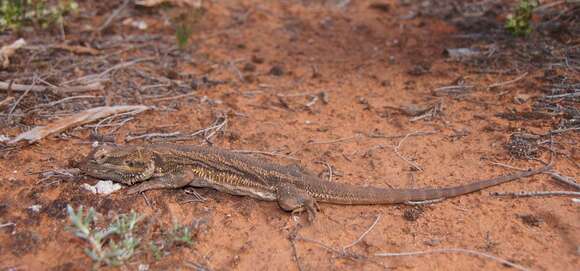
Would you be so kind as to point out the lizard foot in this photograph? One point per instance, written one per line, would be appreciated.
(291, 199)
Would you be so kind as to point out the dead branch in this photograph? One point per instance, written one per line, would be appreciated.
(6, 101)
(267, 153)
(58, 89)
(172, 97)
(363, 234)
(506, 83)
(151, 135)
(334, 141)
(77, 119)
(396, 149)
(453, 250)
(95, 78)
(564, 179)
(21, 97)
(113, 15)
(536, 194)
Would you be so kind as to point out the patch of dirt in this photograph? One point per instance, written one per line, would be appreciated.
(367, 89)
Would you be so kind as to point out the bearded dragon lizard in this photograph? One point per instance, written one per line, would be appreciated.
(145, 167)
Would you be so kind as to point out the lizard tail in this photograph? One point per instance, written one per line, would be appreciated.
(375, 195)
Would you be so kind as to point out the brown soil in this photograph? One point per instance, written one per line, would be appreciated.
(324, 84)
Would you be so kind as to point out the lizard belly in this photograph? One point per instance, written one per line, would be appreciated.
(257, 192)
(244, 191)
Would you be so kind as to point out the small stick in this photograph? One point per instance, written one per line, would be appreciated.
(503, 84)
(115, 13)
(63, 89)
(454, 250)
(6, 101)
(218, 125)
(151, 135)
(363, 234)
(536, 193)
(118, 126)
(333, 141)
(95, 77)
(267, 153)
(454, 88)
(402, 135)
(396, 149)
(329, 167)
(556, 176)
(295, 253)
(20, 98)
(564, 179)
(350, 255)
(7, 224)
(507, 166)
(232, 65)
(173, 97)
(64, 100)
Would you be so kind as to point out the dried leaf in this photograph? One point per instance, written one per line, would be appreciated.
(77, 49)
(8, 50)
(180, 3)
(77, 119)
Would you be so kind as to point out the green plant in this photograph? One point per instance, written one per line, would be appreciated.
(11, 13)
(156, 250)
(102, 247)
(16, 13)
(180, 235)
(519, 23)
(185, 23)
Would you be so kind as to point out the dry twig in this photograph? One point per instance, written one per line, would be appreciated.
(564, 179)
(363, 234)
(535, 194)
(453, 250)
(396, 149)
(267, 153)
(506, 83)
(151, 135)
(334, 141)
(59, 89)
(113, 15)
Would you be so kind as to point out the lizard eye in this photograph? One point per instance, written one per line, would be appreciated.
(130, 163)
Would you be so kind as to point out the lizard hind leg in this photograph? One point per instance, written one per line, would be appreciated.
(291, 199)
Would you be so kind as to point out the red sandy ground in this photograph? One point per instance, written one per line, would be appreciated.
(361, 57)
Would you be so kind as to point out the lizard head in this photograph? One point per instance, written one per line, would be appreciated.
(124, 164)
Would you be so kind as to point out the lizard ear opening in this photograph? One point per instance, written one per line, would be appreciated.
(158, 160)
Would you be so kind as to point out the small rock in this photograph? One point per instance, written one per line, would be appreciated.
(277, 70)
(384, 7)
(139, 24)
(257, 59)
(4, 138)
(102, 187)
(35, 208)
(521, 98)
(249, 67)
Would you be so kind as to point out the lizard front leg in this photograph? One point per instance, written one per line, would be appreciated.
(292, 199)
(161, 182)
